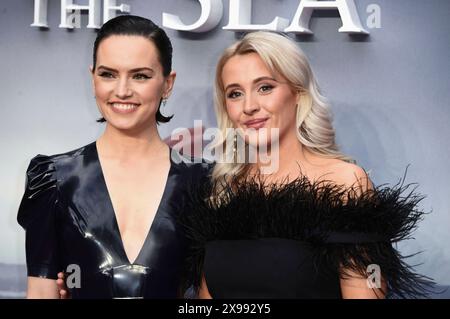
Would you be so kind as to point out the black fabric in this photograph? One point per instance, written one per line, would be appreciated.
(257, 236)
(266, 268)
(69, 219)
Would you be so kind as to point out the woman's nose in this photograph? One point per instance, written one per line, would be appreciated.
(251, 105)
(123, 89)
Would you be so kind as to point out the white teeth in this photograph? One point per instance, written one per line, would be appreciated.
(124, 106)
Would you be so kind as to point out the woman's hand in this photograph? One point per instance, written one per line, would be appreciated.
(62, 289)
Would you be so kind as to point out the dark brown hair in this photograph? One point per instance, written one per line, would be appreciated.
(135, 25)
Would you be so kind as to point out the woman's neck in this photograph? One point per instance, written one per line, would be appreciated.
(290, 159)
(118, 144)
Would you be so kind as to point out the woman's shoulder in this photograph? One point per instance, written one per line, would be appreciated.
(56, 166)
(58, 157)
(346, 174)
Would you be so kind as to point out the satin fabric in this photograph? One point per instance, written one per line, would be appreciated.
(69, 220)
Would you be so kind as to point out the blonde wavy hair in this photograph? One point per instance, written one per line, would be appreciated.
(314, 120)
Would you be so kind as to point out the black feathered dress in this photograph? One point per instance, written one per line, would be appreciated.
(297, 239)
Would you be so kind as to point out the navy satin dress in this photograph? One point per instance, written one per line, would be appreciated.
(69, 220)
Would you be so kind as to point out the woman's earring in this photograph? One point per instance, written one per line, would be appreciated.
(164, 101)
(235, 148)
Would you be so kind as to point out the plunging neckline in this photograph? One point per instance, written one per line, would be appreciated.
(114, 216)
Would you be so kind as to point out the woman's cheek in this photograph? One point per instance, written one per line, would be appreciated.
(232, 114)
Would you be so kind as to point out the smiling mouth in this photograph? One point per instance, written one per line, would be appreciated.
(256, 123)
(123, 108)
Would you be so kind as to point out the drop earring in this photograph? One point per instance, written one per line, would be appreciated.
(164, 102)
(235, 148)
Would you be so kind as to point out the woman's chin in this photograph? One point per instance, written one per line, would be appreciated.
(124, 124)
(260, 143)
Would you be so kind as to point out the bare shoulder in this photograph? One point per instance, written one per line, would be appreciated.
(350, 175)
(347, 174)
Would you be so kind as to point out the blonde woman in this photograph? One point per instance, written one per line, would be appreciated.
(314, 228)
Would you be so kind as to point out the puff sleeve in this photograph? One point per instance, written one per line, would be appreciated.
(37, 215)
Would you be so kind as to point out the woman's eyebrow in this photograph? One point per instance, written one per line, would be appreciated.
(262, 78)
(232, 85)
(131, 71)
(106, 68)
(142, 69)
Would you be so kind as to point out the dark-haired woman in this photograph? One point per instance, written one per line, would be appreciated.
(109, 208)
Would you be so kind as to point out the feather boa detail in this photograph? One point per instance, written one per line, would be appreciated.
(347, 231)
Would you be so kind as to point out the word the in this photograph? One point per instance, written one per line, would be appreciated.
(211, 14)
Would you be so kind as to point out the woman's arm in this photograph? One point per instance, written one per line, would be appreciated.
(203, 293)
(37, 215)
(356, 286)
(42, 288)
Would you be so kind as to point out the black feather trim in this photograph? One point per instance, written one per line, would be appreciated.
(347, 231)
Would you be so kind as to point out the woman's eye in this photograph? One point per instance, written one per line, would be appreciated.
(234, 94)
(107, 75)
(265, 88)
(141, 76)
